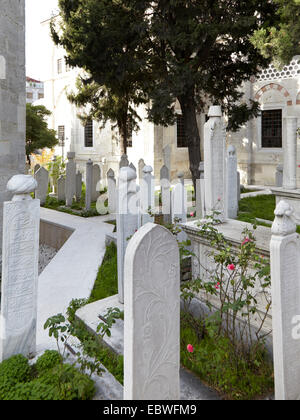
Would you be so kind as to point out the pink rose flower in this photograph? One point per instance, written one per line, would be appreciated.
(231, 267)
(217, 286)
(192, 214)
(190, 348)
(246, 240)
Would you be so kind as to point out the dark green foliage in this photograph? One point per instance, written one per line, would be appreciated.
(47, 361)
(38, 135)
(107, 279)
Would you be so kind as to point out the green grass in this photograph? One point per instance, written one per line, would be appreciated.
(77, 209)
(214, 362)
(106, 283)
(262, 207)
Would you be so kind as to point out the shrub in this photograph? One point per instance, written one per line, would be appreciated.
(47, 361)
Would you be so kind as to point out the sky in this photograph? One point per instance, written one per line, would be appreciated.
(36, 12)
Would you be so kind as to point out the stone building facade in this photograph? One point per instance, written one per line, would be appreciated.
(12, 95)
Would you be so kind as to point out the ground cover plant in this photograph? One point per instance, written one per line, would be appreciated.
(48, 379)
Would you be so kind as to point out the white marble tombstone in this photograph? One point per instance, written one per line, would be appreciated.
(279, 176)
(231, 183)
(238, 186)
(142, 164)
(285, 276)
(290, 154)
(88, 184)
(21, 224)
(132, 166)
(78, 186)
(167, 152)
(200, 194)
(61, 188)
(165, 194)
(70, 179)
(96, 187)
(42, 179)
(214, 164)
(127, 219)
(147, 195)
(179, 201)
(152, 316)
(124, 162)
(112, 191)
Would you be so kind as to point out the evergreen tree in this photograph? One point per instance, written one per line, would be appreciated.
(281, 43)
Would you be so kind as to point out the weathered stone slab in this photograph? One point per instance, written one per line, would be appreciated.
(142, 164)
(42, 178)
(78, 186)
(124, 162)
(61, 188)
(279, 176)
(21, 221)
(165, 194)
(96, 182)
(290, 154)
(70, 179)
(152, 316)
(179, 201)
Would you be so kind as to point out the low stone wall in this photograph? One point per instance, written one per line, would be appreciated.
(54, 235)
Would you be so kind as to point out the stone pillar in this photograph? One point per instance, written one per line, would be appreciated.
(179, 201)
(42, 179)
(290, 155)
(147, 195)
(165, 194)
(78, 186)
(21, 224)
(61, 189)
(132, 166)
(285, 276)
(112, 191)
(96, 187)
(12, 95)
(70, 179)
(279, 176)
(200, 194)
(88, 185)
(231, 183)
(127, 219)
(152, 316)
(238, 187)
(214, 164)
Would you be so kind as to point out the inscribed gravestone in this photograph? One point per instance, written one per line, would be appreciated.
(152, 316)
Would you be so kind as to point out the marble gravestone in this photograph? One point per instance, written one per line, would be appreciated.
(285, 275)
(147, 195)
(124, 162)
(70, 179)
(231, 183)
(78, 186)
(96, 187)
(290, 155)
(214, 163)
(167, 152)
(42, 179)
(21, 221)
(61, 188)
(112, 191)
(279, 176)
(89, 184)
(152, 316)
(179, 201)
(127, 219)
(142, 164)
(12, 95)
(165, 194)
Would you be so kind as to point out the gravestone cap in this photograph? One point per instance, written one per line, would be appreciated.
(147, 169)
(20, 185)
(180, 175)
(231, 150)
(71, 155)
(215, 111)
(127, 174)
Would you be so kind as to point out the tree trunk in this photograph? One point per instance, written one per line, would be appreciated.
(123, 137)
(188, 108)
